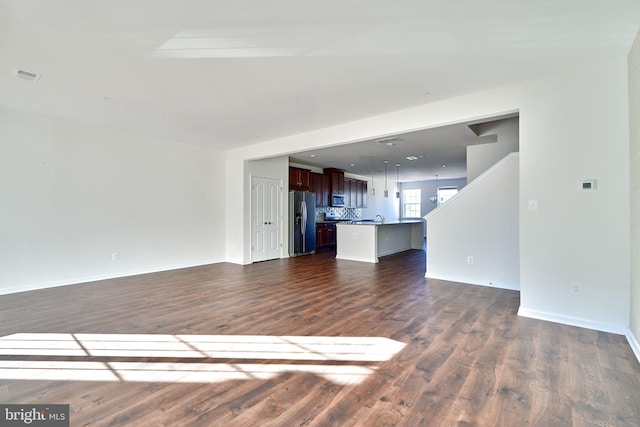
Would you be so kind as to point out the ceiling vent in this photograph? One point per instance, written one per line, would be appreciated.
(27, 75)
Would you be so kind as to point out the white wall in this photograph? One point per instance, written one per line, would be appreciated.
(479, 222)
(573, 126)
(74, 194)
(428, 190)
(482, 157)
(634, 116)
(388, 207)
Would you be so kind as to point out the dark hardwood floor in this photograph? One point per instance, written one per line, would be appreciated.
(467, 359)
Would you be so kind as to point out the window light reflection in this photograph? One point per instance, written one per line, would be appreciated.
(366, 350)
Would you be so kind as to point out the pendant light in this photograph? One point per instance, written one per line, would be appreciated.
(397, 180)
(373, 190)
(434, 199)
(386, 190)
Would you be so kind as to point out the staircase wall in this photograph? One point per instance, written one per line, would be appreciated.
(481, 157)
(481, 222)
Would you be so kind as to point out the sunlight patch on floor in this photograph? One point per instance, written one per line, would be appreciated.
(239, 348)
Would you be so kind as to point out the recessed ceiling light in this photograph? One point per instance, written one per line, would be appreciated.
(352, 164)
(444, 166)
(412, 158)
(390, 144)
(312, 155)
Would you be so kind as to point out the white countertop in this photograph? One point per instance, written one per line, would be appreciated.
(365, 222)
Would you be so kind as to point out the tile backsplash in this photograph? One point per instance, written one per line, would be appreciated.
(352, 214)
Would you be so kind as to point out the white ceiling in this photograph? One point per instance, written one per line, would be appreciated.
(232, 73)
(441, 151)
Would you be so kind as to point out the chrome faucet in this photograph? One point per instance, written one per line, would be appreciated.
(381, 217)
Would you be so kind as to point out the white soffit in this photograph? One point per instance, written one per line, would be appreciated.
(250, 42)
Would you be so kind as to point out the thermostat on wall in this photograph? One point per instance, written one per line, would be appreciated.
(588, 185)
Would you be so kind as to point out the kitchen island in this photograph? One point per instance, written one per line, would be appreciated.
(368, 240)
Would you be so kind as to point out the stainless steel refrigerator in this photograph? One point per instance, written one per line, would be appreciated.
(302, 223)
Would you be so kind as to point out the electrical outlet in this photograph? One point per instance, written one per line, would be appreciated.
(115, 256)
(469, 260)
(576, 288)
(532, 204)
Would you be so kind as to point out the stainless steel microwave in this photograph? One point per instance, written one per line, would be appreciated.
(337, 200)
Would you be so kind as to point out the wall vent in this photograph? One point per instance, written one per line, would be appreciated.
(27, 75)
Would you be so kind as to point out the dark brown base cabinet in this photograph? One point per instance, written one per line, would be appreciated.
(325, 234)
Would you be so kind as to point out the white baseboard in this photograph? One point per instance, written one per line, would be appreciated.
(467, 281)
(633, 342)
(572, 321)
(87, 279)
(363, 259)
(241, 261)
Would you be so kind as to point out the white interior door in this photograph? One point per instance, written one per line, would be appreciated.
(266, 201)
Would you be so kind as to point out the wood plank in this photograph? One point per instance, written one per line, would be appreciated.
(590, 400)
(549, 409)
